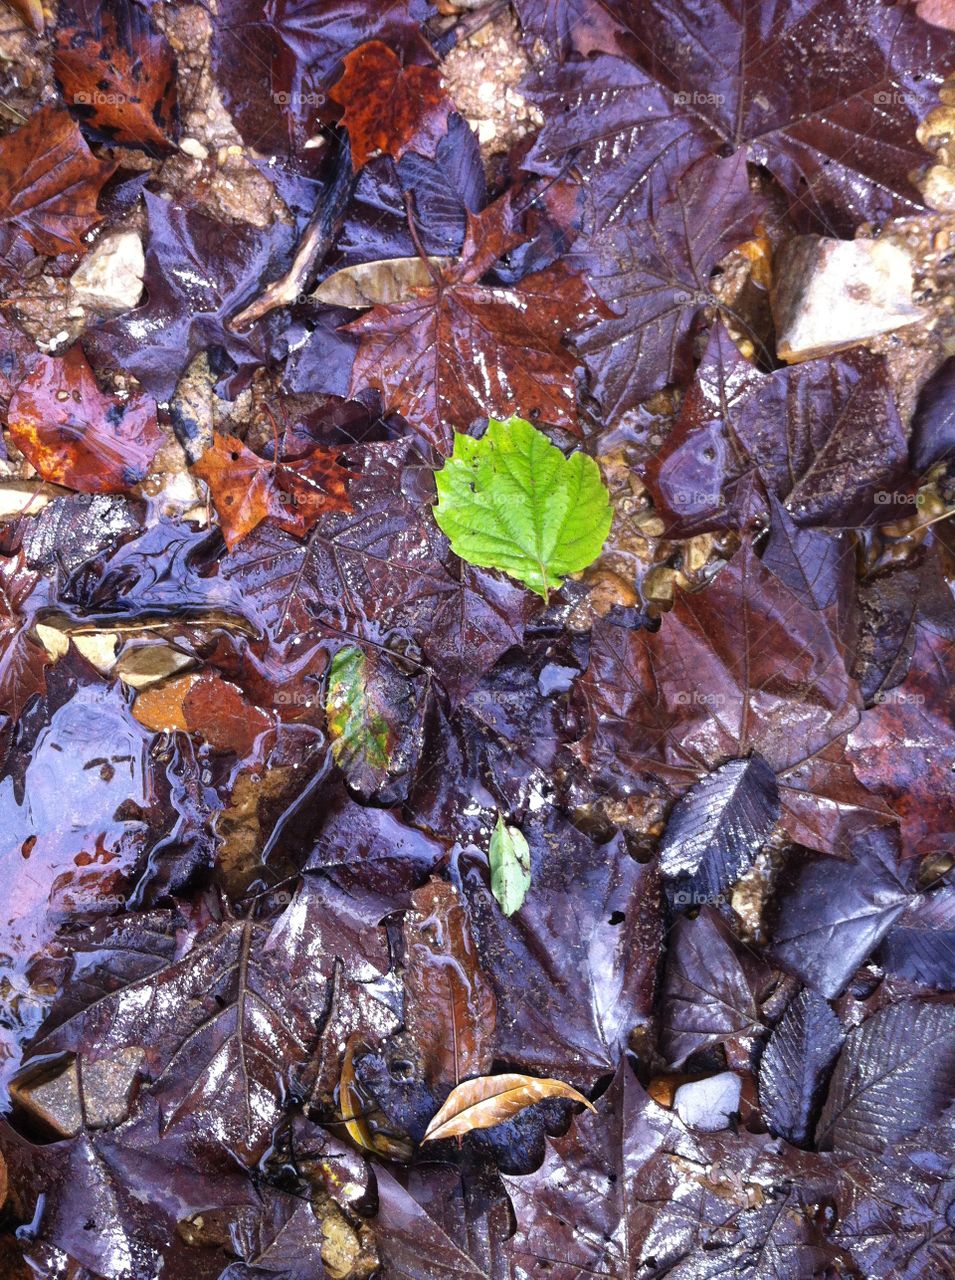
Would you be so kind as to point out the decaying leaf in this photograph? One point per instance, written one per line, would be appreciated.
(389, 108)
(50, 182)
(490, 1100)
(77, 435)
(117, 72)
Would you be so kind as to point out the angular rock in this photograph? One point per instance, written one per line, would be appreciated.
(707, 1104)
(110, 277)
(831, 294)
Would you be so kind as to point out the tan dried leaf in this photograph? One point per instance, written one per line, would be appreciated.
(490, 1100)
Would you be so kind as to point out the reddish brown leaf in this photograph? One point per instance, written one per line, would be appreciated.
(222, 715)
(411, 351)
(247, 489)
(390, 108)
(117, 72)
(50, 182)
(450, 1007)
(491, 1100)
(77, 435)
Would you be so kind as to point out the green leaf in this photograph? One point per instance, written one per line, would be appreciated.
(374, 720)
(510, 860)
(512, 501)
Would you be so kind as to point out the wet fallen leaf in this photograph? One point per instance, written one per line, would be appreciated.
(490, 1100)
(77, 435)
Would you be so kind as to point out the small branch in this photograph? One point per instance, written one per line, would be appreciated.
(318, 238)
(433, 272)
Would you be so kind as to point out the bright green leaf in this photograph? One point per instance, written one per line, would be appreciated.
(510, 861)
(512, 501)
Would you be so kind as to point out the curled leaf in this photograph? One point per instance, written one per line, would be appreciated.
(491, 1100)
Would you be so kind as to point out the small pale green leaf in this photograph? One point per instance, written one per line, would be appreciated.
(510, 861)
(512, 501)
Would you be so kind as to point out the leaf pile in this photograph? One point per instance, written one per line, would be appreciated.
(477, 754)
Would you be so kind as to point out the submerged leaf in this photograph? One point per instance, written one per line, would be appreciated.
(512, 501)
(510, 862)
(491, 1100)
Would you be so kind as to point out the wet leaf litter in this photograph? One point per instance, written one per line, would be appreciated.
(476, 631)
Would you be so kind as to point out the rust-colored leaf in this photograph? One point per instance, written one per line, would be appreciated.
(50, 182)
(222, 715)
(390, 108)
(247, 489)
(117, 72)
(491, 1100)
(519, 363)
(77, 435)
(450, 1007)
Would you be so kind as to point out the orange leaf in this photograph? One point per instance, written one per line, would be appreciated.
(78, 436)
(222, 715)
(247, 489)
(491, 1100)
(390, 108)
(117, 71)
(50, 182)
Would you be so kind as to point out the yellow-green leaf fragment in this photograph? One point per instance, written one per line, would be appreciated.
(359, 731)
(491, 1100)
(512, 501)
(510, 862)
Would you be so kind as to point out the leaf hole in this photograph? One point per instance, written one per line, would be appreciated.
(617, 917)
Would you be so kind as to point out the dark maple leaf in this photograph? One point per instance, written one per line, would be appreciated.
(274, 66)
(49, 183)
(827, 97)
(902, 746)
(830, 915)
(741, 666)
(247, 489)
(655, 276)
(76, 435)
(409, 351)
(117, 72)
(709, 987)
(823, 436)
(627, 1190)
(896, 1072)
(565, 26)
(382, 568)
(199, 273)
(219, 1028)
(390, 108)
(795, 1066)
(575, 968)
(920, 945)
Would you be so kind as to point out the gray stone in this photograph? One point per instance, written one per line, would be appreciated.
(110, 277)
(832, 294)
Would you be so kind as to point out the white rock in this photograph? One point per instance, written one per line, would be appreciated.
(110, 277)
(193, 147)
(831, 294)
(707, 1104)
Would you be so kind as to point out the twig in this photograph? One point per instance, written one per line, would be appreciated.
(315, 244)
